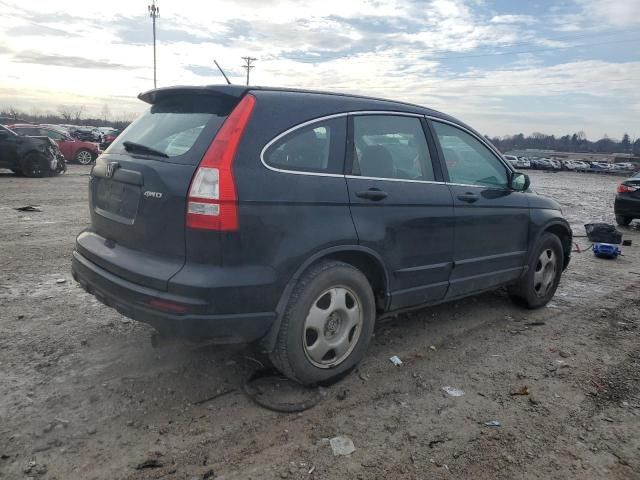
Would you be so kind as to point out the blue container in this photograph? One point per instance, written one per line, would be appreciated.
(606, 250)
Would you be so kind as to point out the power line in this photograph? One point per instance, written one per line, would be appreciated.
(248, 65)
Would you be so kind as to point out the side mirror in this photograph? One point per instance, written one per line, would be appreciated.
(520, 182)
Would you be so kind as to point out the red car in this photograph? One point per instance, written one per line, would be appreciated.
(72, 149)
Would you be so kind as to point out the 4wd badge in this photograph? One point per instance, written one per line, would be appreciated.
(149, 194)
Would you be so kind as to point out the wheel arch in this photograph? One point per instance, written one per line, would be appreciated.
(562, 230)
(368, 261)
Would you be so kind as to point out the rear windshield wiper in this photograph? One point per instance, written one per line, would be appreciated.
(138, 147)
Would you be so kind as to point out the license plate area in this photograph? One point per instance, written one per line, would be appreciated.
(116, 201)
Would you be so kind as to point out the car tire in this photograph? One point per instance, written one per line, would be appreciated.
(34, 165)
(623, 221)
(538, 286)
(327, 324)
(84, 157)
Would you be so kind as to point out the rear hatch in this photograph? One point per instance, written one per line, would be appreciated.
(138, 187)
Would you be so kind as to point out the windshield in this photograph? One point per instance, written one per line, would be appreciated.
(173, 125)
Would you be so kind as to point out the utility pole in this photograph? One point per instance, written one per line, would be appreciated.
(248, 65)
(154, 12)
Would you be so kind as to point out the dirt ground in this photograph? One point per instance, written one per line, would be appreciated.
(85, 395)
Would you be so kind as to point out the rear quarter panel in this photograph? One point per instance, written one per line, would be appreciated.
(284, 217)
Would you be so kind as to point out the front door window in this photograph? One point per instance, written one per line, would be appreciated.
(468, 161)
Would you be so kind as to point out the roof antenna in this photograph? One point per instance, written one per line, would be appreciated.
(222, 72)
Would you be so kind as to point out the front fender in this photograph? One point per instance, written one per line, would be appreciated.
(550, 221)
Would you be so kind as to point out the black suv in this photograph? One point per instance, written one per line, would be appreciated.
(627, 203)
(30, 156)
(296, 218)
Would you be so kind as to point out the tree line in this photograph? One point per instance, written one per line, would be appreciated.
(67, 114)
(577, 142)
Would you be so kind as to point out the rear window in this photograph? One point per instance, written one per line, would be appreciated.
(175, 125)
(315, 148)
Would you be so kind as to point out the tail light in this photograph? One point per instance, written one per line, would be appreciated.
(212, 201)
(622, 188)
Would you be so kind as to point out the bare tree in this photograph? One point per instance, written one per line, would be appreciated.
(66, 112)
(105, 113)
(77, 112)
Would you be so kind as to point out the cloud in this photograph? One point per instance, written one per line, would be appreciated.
(37, 30)
(453, 55)
(203, 71)
(137, 31)
(528, 19)
(65, 61)
(621, 13)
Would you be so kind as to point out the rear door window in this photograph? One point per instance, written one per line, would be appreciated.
(28, 132)
(390, 146)
(52, 134)
(468, 161)
(318, 147)
(175, 124)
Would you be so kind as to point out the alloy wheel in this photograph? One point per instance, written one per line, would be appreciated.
(84, 157)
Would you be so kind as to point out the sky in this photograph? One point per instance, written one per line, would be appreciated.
(503, 66)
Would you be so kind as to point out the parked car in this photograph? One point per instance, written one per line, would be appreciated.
(600, 166)
(73, 150)
(29, 156)
(512, 159)
(87, 134)
(623, 167)
(544, 164)
(295, 219)
(517, 162)
(627, 204)
(576, 165)
(109, 138)
(523, 162)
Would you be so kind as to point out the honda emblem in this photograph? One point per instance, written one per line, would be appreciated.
(111, 168)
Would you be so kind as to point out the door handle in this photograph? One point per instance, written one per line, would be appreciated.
(468, 197)
(374, 194)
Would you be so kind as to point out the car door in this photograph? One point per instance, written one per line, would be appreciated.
(400, 206)
(8, 151)
(491, 219)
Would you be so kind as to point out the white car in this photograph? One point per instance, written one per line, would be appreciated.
(623, 166)
(523, 162)
(512, 159)
(577, 165)
(555, 164)
(106, 130)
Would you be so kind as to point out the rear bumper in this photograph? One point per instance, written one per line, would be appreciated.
(626, 206)
(132, 301)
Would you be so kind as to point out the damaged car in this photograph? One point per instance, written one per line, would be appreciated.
(30, 156)
(296, 219)
(73, 150)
